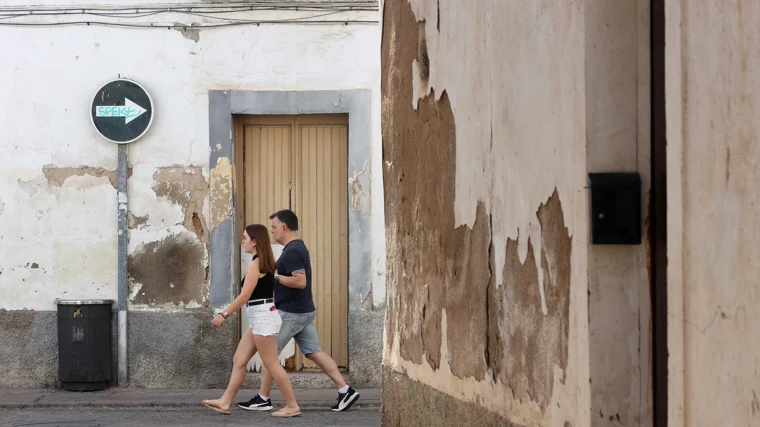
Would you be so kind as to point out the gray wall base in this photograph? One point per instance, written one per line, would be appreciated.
(169, 350)
(365, 348)
(166, 350)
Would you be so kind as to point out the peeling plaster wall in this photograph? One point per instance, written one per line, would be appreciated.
(485, 169)
(57, 176)
(713, 105)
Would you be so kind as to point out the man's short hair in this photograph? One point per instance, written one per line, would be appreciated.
(287, 217)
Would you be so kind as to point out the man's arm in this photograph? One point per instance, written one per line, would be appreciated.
(295, 263)
(296, 281)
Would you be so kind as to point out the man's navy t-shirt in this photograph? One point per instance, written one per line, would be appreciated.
(294, 257)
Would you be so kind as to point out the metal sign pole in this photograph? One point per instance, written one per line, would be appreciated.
(122, 112)
(122, 272)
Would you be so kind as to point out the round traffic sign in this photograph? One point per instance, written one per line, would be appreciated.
(122, 111)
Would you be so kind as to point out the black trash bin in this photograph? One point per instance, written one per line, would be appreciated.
(84, 344)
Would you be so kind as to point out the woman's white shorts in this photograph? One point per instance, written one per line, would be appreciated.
(264, 319)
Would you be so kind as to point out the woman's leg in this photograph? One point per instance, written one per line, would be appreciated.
(268, 351)
(245, 350)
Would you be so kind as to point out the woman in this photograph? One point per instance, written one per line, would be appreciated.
(258, 296)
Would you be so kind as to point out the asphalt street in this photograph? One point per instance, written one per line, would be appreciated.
(185, 416)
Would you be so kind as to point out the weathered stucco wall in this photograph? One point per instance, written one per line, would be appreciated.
(485, 164)
(713, 105)
(58, 234)
(618, 140)
(58, 176)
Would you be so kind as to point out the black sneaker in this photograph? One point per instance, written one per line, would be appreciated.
(345, 400)
(256, 404)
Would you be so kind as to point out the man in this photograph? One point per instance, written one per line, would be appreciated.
(293, 299)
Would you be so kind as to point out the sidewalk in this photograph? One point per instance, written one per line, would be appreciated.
(140, 397)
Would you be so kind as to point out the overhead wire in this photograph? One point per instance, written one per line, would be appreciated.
(121, 13)
(255, 21)
(289, 4)
(191, 26)
(202, 11)
(209, 8)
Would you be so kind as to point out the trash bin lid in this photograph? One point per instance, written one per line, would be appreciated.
(83, 301)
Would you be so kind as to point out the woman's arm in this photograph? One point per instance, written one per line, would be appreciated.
(251, 280)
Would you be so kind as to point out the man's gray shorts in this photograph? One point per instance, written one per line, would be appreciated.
(301, 327)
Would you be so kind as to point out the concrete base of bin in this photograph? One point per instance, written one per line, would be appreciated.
(93, 386)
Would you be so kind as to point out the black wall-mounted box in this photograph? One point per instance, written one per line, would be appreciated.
(615, 208)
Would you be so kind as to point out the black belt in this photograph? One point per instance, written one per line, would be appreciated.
(259, 302)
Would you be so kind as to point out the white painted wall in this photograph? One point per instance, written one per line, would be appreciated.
(47, 79)
(712, 85)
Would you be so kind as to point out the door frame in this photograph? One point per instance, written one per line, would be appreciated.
(657, 238)
(224, 274)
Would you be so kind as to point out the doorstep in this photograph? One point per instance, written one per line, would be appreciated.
(305, 380)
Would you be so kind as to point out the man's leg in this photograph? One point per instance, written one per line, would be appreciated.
(266, 383)
(308, 342)
(287, 331)
(325, 363)
(328, 366)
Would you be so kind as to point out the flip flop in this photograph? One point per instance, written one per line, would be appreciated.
(216, 408)
(281, 414)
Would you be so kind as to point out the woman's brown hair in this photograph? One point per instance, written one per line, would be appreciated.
(260, 234)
